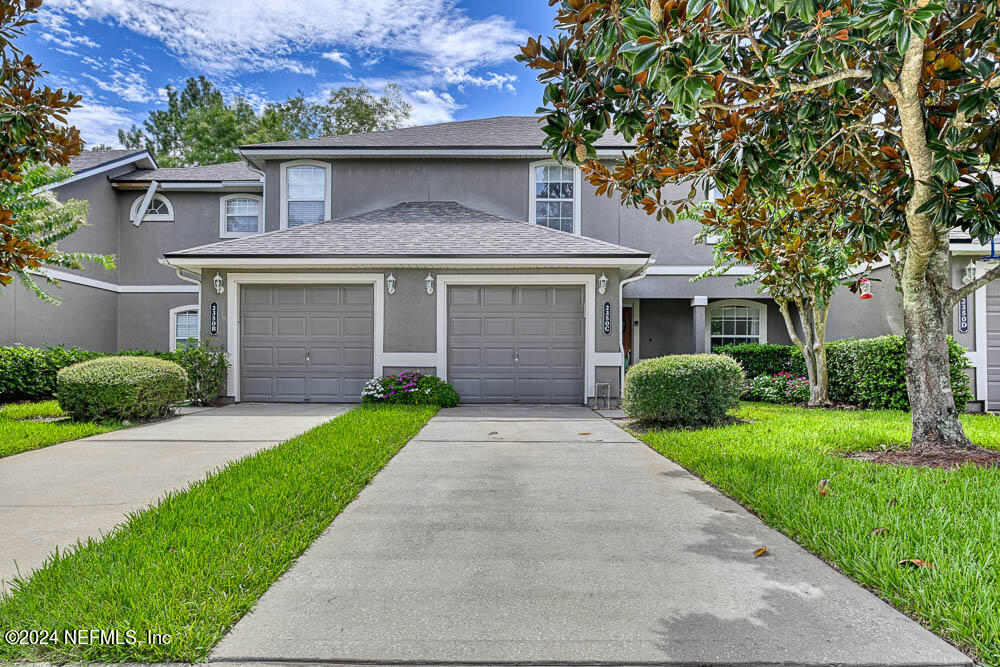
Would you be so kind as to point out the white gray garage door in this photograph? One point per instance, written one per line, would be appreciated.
(993, 344)
(516, 344)
(306, 343)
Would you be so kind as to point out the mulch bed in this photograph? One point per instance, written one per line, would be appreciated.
(981, 458)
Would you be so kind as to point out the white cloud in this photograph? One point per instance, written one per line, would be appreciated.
(337, 57)
(431, 107)
(120, 77)
(99, 124)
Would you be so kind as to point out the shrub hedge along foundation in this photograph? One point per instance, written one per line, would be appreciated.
(683, 389)
(867, 372)
(135, 388)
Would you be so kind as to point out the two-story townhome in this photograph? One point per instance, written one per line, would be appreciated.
(459, 248)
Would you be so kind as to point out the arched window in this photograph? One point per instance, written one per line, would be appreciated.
(555, 196)
(734, 321)
(184, 325)
(160, 209)
(239, 215)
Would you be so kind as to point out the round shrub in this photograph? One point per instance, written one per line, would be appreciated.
(683, 389)
(134, 388)
(410, 388)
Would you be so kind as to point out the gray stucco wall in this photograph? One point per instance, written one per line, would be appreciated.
(87, 318)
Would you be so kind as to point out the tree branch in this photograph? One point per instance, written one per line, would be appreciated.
(956, 295)
(854, 73)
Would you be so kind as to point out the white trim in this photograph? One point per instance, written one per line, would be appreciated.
(327, 187)
(587, 281)
(147, 199)
(173, 322)
(980, 359)
(635, 329)
(138, 157)
(689, 270)
(153, 217)
(699, 301)
(226, 234)
(112, 287)
(715, 305)
(401, 262)
(236, 280)
(409, 359)
(577, 194)
(189, 185)
(285, 153)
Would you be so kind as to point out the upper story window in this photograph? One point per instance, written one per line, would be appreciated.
(239, 216)
(555, 196)
(305, 193)
(159, 210)
(735, 321)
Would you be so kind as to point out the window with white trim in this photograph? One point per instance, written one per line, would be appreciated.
(159, 210)
(240, 216)
(185, 324)
(555, 197)
(734, 321)
(305, 194)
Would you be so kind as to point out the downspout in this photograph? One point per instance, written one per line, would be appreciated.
(146, 201)
(638, 275)
(195, 281)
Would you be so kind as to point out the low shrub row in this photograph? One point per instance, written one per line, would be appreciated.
(781, 387)
(867, 372)
(683, 389)
(29, 373)
(121, 388)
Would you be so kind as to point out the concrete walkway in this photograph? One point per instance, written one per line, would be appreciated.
(548, 535)
(54, 496)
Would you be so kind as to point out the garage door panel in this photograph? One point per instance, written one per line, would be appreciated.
(543, 327)
(306, 343)
(993, 345)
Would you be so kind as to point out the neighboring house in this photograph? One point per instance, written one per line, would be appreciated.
(458, 248)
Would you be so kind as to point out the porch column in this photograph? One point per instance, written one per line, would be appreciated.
(698, 304)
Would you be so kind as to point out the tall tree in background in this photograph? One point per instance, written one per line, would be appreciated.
(894, 102)
(199, 127)
(44, 221)
(33, 127)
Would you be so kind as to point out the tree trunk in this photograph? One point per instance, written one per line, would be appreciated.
(812, 319)
(936, 425)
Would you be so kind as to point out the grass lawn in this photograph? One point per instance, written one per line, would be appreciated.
(19, 431)
(195, 563)
(948, 517)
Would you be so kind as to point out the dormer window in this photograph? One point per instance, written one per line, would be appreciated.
(555, 200)
(159, 209)
(305, 193)
(239, 216)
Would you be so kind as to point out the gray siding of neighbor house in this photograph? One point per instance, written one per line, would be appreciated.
(87, 318)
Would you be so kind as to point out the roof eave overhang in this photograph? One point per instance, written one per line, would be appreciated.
(258, 154)
(190, 185)
(629, 263)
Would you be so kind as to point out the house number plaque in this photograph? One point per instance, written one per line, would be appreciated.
(963, 315)
(213, 318)
(607, 318)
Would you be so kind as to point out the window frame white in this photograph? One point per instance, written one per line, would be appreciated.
(224, 233)
(577, 194)
(327, 187)
(174, 312)
(152, 217)
(713, 306)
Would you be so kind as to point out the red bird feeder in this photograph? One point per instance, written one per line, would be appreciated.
(864, 289)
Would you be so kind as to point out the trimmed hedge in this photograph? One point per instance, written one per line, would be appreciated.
(29, 373)
(410, 388)
(135, 388)
(683, 389)
(867, 372)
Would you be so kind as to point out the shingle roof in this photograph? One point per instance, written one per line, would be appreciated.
(416, 229)
(497, 132)
(88, 160)
(228, 171)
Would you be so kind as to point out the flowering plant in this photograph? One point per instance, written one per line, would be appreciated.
(410, 387)
(781, 387)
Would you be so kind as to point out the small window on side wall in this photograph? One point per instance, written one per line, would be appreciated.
(159, 210)
(555, 195)
(240, 216)
(185, 326)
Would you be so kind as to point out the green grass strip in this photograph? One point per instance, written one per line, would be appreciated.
(19, 434)
(195, 563)
(948, 517)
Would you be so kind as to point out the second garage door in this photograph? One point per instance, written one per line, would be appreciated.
(993, 344)
(306, 343)
(516, 344)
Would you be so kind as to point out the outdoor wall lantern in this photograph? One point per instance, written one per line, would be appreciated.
(429, 283)
(217, 281)
(390, 284)
(602, 284)
(970, 272)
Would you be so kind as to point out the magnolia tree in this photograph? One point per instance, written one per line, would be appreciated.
(798, 252)
(32, 128)
(892, 102)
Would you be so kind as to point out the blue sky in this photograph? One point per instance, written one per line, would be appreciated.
(453, 58)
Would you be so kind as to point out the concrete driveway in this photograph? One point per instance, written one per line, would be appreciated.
(54, 496)
(548, 535)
